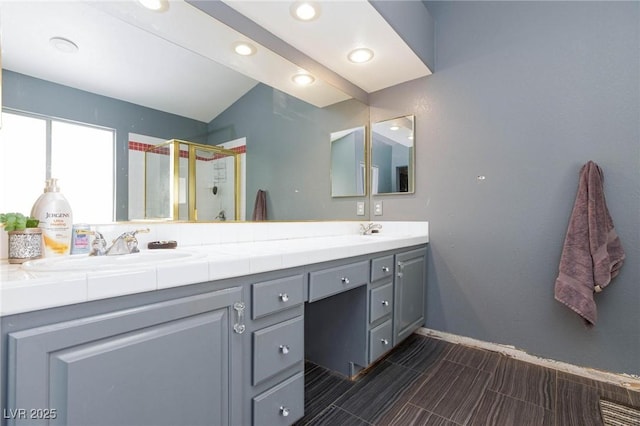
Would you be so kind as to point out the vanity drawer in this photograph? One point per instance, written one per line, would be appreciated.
(277, 348)
(335, 280)
(276, 295)
(380, 340)
(381, 267)
(380, 302)
(281, 405)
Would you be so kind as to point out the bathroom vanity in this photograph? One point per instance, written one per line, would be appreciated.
(220, 351)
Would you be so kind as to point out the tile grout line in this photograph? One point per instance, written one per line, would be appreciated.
(351, 414)
(431, 413)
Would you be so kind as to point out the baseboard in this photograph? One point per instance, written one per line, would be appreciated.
(626, 380)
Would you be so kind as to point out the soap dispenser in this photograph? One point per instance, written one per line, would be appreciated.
(56, 220)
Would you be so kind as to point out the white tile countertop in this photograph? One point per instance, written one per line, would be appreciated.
(216, 251)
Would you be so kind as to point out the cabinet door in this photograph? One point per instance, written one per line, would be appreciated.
(410, 282)
(168, 363)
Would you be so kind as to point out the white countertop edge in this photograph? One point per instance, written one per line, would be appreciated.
(35, 291)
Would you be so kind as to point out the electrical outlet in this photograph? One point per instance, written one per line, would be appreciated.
(360, 208)
(377, 208)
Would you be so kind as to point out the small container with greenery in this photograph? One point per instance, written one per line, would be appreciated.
(25, 238)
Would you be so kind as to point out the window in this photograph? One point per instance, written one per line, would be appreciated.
(80, 156)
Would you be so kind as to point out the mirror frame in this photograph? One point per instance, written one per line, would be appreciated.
(412, 157)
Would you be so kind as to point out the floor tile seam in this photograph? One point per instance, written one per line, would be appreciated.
(423, 377)
(497, 385)
(525, 401)
(351, 414)
(342, 399)
(334, 400)
(431, 413)
(453, 384)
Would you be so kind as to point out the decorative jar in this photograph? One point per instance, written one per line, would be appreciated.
(25, 245)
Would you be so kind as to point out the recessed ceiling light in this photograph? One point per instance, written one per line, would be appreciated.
(394, 127)
(360, 55)
(305, 10)
(303, 79)
(410, 137)
(64, 45)
(155, 5)
(243, 48)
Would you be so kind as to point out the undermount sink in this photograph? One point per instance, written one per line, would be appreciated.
(83, 262)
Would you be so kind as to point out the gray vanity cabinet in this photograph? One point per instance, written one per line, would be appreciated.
(409, 297)
(381, 307)
(167, 363)
(277, 350)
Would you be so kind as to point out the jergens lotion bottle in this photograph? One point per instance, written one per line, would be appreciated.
(56, 220)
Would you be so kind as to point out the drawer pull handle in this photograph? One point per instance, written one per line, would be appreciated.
(385, 269)
(344, 280)
(385, 303)
(239, 326)
(284, 349)
(384, 341)
(284, 297)
(284, 411)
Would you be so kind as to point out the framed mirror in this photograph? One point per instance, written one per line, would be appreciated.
(348, 161)
(393, 156)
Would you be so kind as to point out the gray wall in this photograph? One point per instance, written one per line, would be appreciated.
(525, 93)
(288, 151)
(413, 23)
(37, 96)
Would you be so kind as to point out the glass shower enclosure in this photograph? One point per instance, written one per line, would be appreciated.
(188, 181)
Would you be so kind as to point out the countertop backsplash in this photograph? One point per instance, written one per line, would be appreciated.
(195, 234)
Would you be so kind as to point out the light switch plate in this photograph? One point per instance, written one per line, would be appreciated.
(360, 208)
(377, 208)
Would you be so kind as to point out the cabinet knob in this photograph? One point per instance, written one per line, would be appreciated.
(284, 297)
(385, 269)
(284, 349)
(344, 280)
(384, 341)
(284, 411)
(385, 303)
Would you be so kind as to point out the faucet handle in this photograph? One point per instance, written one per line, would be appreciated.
(99, 245)
(132, 242)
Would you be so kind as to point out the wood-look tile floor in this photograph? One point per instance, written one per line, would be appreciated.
(427, 381)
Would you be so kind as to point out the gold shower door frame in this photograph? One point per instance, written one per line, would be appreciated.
(174, 153)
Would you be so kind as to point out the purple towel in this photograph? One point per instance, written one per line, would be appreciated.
(260, 207)
(592, 254)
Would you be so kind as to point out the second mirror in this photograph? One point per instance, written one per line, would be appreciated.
(393, 156)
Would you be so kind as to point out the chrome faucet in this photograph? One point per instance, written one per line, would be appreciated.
(370, 228)
(126, 243)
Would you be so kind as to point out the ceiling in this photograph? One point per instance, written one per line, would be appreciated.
(181, 61)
